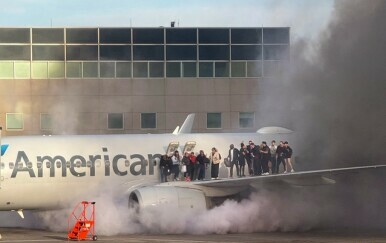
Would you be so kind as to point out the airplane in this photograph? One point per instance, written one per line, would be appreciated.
(47, 172)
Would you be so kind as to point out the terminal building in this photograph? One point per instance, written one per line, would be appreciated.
(135, 80)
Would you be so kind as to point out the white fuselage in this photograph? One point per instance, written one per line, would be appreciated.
(42, 172)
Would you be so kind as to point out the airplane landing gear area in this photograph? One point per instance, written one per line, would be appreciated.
(81, 222)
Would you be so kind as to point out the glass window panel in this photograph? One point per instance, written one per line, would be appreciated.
(273, 68)
(148, 36)
(148, 53)
(107, 69)
(90, 69)
(123, 69)
(82, 52)
(6, 69)
(181, 52)
(74, 70)
(15, 52)
(115, 35)
(140, 69)
(42, 53)
(222, 69)
(246, 119)
(22, 70)
(115, 121)
(213, 120)
(14, 35)
(276, 35)
(206, 69)
(214, 52)
(189, 69)
(39, 70)
(254, 69)
(111, 52)
(238, 69)
(181, 36)
(173, 69)
(45, 121)
(14, 121)
(246, 36)
(276, 52)
(240, 52)
(82, 35)
(213, 36)
(156, 69)
(148, 120)
(47, 35)
(56, 70)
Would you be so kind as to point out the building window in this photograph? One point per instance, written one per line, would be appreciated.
(14, 121)
(213, 120)
(107, 69)
(238, 69)
(189, 69)
(140, 69)
(222, 69)
(148, 120)
(115, 121)
(246, 119)
(123, 69)
(156, 69)
(45, 121)
(173, 69)
(206, 69)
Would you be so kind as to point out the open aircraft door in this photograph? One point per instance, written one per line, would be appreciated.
(173, 146)
(189, 146)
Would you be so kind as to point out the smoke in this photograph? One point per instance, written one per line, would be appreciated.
(334, 97)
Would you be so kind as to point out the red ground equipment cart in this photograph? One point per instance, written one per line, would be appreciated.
(81, 222)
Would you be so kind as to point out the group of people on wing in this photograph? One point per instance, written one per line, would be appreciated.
(257, 158)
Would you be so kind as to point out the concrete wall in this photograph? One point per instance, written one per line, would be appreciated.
(80, 106)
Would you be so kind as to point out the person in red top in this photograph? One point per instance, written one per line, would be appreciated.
(193, 166)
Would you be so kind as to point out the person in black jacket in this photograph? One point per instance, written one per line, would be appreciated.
(288, 155)
(242, 156)
(233, 157)
(280, 157)
(255, 154)
(203, 163)
(165, 167)
(249, 158)
(264, 157)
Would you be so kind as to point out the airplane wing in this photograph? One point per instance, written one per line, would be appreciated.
(226, 187)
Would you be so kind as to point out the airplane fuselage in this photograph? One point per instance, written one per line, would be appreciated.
(41, 172)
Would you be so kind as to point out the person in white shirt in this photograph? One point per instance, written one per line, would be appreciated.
(273, 159)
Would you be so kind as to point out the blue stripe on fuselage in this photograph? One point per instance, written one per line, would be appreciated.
(4, 148)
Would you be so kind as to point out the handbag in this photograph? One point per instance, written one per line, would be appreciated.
(183, 168)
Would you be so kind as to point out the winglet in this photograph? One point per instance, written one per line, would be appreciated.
(273, 130)
(187, 125)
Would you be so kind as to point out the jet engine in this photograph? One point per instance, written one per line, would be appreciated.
(155, 196)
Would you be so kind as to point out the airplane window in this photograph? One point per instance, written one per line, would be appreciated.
(39, 165)
(48, 165)
(11, 165)
(2, 166)
(127, 163)
(20, 165)
(68, 164)
(29, 165)
(88, 164)
(78, 164)
(58, 164)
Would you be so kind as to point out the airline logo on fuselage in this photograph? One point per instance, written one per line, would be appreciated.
(79, 166)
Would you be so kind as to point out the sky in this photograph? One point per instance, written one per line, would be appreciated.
(306, 18)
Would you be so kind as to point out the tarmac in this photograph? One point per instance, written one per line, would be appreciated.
(336, 236)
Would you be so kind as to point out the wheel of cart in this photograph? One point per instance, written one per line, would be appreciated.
(81, 222)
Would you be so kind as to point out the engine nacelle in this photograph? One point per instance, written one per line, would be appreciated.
(173, 196)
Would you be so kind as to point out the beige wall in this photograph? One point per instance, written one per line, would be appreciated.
(80, 106)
